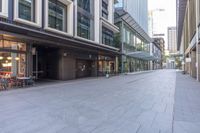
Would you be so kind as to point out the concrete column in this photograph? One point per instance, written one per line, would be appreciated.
(198, 62)
(97, 24)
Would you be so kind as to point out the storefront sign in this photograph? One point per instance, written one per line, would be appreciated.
(188, 60)
(33, 51)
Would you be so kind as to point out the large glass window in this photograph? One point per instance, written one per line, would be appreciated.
(57, 15)
(105, 9)
(12, 64)
(83, 26)
(27, 10)
(12, 59)
(107, 37)
(84, 4)
(0, 5)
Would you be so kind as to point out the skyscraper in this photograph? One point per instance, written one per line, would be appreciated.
(172, 46)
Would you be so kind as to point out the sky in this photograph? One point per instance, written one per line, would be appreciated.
(169, 18)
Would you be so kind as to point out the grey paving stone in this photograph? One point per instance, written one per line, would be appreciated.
(122, 104)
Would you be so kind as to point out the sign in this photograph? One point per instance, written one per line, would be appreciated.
(34, 51)
(188, 60)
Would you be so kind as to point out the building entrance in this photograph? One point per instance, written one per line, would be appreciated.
(45, 63)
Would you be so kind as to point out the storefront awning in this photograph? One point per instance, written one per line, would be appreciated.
(142, 55)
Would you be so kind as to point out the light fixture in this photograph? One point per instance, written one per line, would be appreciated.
(1, 57)
(17, 58)
(9, 58)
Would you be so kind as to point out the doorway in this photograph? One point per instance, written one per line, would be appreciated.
(45, 63)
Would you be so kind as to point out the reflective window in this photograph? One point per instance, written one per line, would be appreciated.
(27, 10)
(83, 26)
(12, 45)
(105, 9)
(84, 4)
(107, 37)
(0, 5)
(57, 15)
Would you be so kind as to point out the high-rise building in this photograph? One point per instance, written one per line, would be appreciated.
(172, 43)
(57, 39)
(138, 9)
(156, 25)
(131, 18)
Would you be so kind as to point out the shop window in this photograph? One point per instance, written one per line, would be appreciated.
(5, 44)
(12, 64)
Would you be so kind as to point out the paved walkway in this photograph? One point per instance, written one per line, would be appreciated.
(123, 104)
(187, 105)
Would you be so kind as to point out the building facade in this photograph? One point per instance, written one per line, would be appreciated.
(138, 9)
(160, 44)
(188, 35)
(134, 43)
(156, 52)
(57, 39)
(172, 43)
(156, 27)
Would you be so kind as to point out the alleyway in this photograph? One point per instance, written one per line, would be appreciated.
(142, 103)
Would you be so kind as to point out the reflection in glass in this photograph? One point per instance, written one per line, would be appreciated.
(27, 10)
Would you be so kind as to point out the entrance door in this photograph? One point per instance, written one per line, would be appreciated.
(83, 68)
(45, 63)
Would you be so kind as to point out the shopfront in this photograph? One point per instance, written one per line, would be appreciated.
(107, 65)
(13, 61)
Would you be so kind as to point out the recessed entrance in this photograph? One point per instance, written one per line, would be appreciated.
(45, 63)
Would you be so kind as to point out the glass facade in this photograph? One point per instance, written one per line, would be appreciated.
(12, 59)
(57, 15)
(27, 10)
(133, 42)
(107, 37)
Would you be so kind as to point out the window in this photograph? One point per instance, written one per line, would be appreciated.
(57, 15)
(107, 37)
(83, 26)
(84, 4)
(4, 8)
(0, 5)
(27, 10)
(104, 9)
(12, 58)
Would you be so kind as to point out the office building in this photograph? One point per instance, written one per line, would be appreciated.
(57, 39)
(172, 43)
(188, 35)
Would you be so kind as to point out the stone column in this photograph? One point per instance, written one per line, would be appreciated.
(193, 64)
(198, 62)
